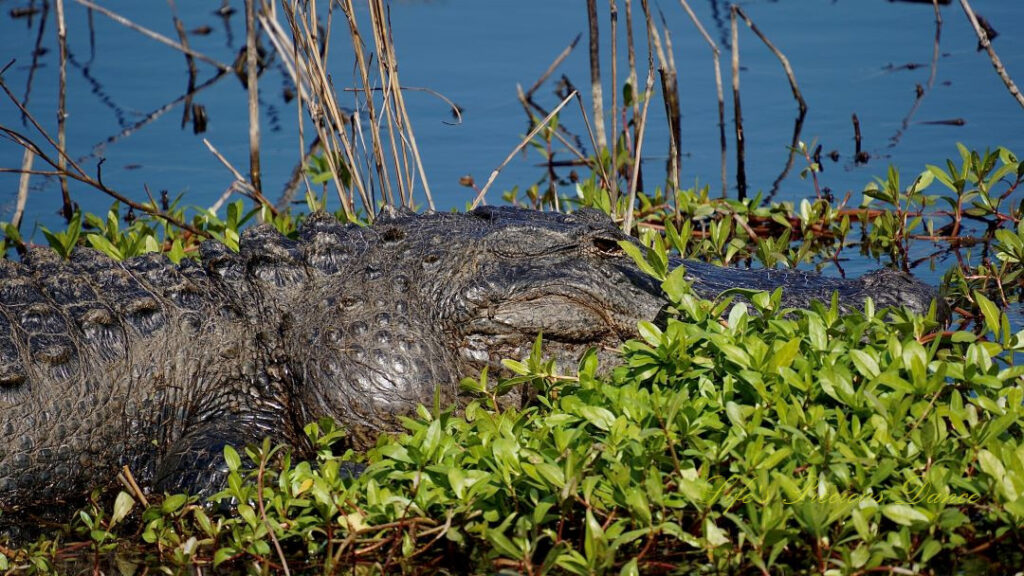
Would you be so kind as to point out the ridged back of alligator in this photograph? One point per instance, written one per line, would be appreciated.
(71, 392)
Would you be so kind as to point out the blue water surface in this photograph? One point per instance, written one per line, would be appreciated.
(863, 57)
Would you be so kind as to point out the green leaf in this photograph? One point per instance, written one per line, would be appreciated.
(904, 514)
(123, 504)
(650, 333)
(103, 245)
(173, 502)
(232, 459)
(990, 312)
(714, 535)
(638, 256)
(222, 555)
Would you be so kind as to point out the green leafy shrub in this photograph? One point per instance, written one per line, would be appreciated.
(738, 437)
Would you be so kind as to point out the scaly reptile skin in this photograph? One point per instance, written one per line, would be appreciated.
(156, 366)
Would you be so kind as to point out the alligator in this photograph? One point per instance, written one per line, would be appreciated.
(155, 366)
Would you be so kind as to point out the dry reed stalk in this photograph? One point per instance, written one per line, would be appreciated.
(323, 108)
(154, 35)
(580, 158)
(641, 127)
(364, 75)
(387, 114)
(741, 170)
(778, 54)
(240, 183)
(595, 76)
(631, 60)
(987, 45)
(613, 184)
(672, 109)
(128, 480)
(593, 142)
(62, 90)
(715, 54)
(252, 90)
(627, 223)
(27, 159)
(522, 144)
(399, 126)
(670, 96)
(452, 105)
(554, 65)
(288, 51)
(398, 111)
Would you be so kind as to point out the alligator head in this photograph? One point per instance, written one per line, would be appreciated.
(563, 276)
(436, 297)
(398, 312)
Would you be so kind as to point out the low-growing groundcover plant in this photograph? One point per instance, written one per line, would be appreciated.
(733, 438)
(738, 438)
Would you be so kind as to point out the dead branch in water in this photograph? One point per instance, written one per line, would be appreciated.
(154, 35)
(987, 45)
(778, 54)
(193, 72)
(920, 91)
(741, 168)
(522, 144)
(715, 53)
(75, 172)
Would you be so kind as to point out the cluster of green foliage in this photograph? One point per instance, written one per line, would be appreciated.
(740, 437)
(965, 216)
(736, 438)
(127, 235)
(972, 225)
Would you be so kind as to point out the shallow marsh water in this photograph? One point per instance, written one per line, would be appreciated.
(863, 57)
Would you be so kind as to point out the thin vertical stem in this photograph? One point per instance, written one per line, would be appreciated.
(26, 172)
(595, 75)
(252, 86)
(613, 183)
(631, 58)
(62, 89)
(741, 171)
(627, 223)
(364, 76)
(715, 53)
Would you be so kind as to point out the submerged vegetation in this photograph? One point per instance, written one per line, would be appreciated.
(736, 437)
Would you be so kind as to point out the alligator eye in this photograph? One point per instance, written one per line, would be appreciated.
(607, 246)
